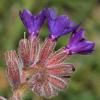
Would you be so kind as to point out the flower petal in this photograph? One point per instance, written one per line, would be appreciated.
(77, 36)
(35, 84)
(39, 21)
(12, 68)
(61, 70)
(27, 19)
(33, 23)
(46, 50)
(49, 91)
(59, 83)
(33, 49)
(37, 88)
(78, 44)
(51, 13)
(57, 57)
(23, 51)
(58, 25)
(85, 47)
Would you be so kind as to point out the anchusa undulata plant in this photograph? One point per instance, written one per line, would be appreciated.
(37, 65)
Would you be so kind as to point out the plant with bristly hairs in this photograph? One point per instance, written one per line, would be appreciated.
(37, 66)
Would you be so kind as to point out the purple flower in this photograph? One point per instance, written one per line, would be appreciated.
(58, 25)
(78, 44)
(37, 66)
(33, 23)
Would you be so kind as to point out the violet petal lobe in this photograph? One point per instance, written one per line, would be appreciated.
(33, 23)
(51, 14)
(77, 36)
(58, 25)
(79, 45)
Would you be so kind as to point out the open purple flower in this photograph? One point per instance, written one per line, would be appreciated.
(78, 44)
(33, 23)
(58, 25)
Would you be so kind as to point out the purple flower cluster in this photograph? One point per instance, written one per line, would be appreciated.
(37, 65)
(58, 26)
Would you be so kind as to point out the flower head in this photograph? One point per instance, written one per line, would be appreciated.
(37, 65)
(33, 23)
(78, 44)
(45, 73)
(58, 25)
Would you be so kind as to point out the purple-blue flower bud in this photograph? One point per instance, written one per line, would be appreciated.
(58, 25)
(78, 44)
(33, 23)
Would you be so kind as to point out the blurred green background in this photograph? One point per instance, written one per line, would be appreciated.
(85, 82)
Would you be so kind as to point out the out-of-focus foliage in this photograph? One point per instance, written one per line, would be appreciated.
(85, 83)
